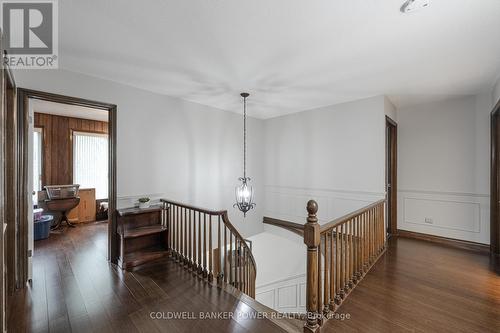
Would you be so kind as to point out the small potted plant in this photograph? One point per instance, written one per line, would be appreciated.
(144, 202)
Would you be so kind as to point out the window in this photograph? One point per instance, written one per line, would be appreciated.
(37, 162)
(90, 162)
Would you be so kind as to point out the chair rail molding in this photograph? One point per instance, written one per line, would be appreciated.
(287, 202)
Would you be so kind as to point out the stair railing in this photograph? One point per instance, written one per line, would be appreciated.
(339, 254)
(205, 242)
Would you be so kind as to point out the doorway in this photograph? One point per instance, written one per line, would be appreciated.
(33, 129)
(495, 185)
(391, 173)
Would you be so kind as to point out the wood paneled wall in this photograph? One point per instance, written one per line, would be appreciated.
(57, 168)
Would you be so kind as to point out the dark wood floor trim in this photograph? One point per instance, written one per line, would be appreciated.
(457, 243)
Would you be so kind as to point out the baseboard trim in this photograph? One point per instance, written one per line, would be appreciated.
(451, 242)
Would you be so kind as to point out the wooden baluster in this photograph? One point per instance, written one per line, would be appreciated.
(343, 260)
(374, 234)
(181, 220)
(210, 252)
(369, 230)
(200, 258)
(205, 271)
(361, 243)
(365, 244)
(367, 240)
(338, 261)
(370, 241)
(374, 240)
(242, 282)
(219, 249)
(195, 257)
(170, 228)
(237, 263)
(320, 282)
(225, 254)
(186, 259)
(360, 247)
(179, 234)
(312, 240)
(173, 230)
(377, 228)
(354, 249)
(326, 296)
(332, 272)
(190, 245)
(351, 252)
(231, 273)
(245, 269)
(382, 227)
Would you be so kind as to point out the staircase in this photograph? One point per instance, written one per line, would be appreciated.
(206, 243)
(339, 254)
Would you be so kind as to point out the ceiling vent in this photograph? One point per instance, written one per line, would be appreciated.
(411, 6)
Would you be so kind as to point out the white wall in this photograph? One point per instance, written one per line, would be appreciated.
(389, 109)
(496, 92)
(443, 168)
(170, 147)
(334, 155)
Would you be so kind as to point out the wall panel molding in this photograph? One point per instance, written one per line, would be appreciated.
(285, 296)
(462, 216)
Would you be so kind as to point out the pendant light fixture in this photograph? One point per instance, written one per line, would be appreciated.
(244, 192)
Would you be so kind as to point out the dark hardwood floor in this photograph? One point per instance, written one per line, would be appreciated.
(74, 289)
(416, 287)
(420, 286)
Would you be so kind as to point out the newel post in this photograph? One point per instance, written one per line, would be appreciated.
(312, 240)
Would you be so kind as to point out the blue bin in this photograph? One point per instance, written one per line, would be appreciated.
(42, 227)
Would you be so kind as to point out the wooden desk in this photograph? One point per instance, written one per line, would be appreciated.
(86, 210)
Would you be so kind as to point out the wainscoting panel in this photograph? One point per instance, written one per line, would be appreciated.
(285, 296)
(289, 203)
(462, 216)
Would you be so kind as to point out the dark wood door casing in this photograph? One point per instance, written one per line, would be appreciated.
(23, 96)
(391, 174)
(495, 183)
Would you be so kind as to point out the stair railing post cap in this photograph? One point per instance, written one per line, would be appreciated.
(312, 207)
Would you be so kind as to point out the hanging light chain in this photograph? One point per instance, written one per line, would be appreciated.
(245, 138)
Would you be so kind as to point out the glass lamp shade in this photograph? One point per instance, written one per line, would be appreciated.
(244, 196)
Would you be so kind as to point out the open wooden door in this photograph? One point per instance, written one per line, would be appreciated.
(391, 176)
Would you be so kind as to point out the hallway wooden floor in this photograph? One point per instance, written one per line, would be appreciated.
(424, 287)
(416, 287)
(75, 290)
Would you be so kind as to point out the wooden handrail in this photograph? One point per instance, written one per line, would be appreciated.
(290, 226)
(191, 239)
(198, 209)
(339, 254)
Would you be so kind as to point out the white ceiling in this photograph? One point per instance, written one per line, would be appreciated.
(60, 109)
(290, 55)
